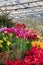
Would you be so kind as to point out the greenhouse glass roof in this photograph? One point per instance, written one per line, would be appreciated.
(22, 8)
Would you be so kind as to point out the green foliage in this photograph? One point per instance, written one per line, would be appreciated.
(21, 47)
(5, 21)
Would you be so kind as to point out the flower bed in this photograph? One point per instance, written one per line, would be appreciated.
(18, 41)
(32, 57)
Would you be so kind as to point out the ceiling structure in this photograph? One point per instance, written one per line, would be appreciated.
(22, 8)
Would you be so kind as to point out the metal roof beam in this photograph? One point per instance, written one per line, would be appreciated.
(24, 8)
(22, 3)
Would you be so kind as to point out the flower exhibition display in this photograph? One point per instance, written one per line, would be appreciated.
(20, 45)
(21, 32)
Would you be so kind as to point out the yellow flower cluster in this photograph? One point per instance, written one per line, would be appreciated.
(8, 43)
(1, 43)
(4, 38)
(37, 43)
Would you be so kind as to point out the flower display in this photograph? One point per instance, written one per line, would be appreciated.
(15, 36)
(33, 57)
(21, 40)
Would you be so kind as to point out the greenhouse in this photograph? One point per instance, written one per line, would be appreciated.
(21, 32)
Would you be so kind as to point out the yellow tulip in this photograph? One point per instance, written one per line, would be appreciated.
(1, 45)
(1, 41)
(41, 45)
(8, 43)
(4, 39)
(35, 43)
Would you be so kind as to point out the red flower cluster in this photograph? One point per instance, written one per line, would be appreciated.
(16, 62)
(20, 25)
(31, 36)
(34, 56)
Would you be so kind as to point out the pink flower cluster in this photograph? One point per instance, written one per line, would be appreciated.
(21, 32)
(33, 57)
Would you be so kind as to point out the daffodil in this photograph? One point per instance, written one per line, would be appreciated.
(8, 43)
